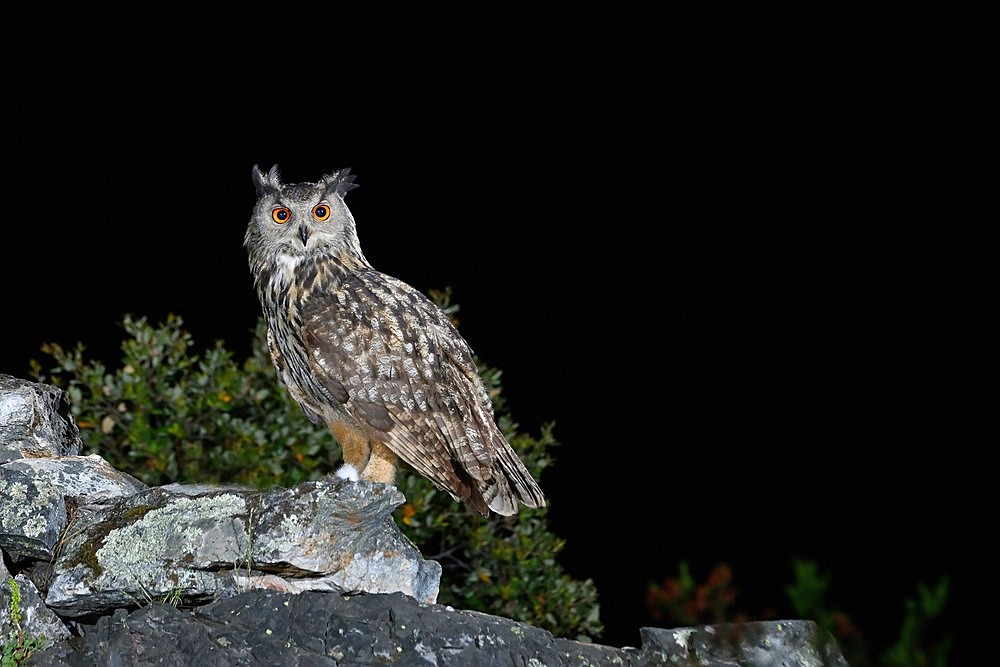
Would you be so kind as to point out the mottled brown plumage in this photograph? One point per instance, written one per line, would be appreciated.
(371, 357)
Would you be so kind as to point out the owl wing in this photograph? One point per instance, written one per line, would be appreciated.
(281, 366)
(408, 378)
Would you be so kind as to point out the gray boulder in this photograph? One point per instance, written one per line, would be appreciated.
(38, 496)
(35, 420)
(192, 543)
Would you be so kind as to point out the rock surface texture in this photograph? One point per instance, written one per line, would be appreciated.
(109, 571)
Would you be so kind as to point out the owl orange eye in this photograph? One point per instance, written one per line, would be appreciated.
(321, 212)
(281, 215)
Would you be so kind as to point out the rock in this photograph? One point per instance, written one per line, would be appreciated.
(343, 530)
(38, 495)
(317, 628)
(755, 644)
(35, 420)
(85, 479)
(192, 543)
(32, 515)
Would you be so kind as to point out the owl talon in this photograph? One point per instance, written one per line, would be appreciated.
(348, 472)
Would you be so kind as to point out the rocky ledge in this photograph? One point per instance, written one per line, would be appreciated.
(101, 569)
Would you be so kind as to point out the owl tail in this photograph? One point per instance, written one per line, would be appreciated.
(511, 484)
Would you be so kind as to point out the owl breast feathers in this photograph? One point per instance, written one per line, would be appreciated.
(371, 357)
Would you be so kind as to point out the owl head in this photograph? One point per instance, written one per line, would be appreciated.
(299, 220)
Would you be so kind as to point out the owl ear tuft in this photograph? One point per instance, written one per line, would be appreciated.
(339, 182)
(266, 182)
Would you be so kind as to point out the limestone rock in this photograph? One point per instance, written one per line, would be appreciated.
(193, 543)
(38, 495)
(32, 515)
(35, 420)
(86, 479)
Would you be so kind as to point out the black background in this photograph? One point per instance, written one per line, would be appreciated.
(741, 274)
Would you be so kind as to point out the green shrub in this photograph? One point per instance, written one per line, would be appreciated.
(919, 643)
(168, 413)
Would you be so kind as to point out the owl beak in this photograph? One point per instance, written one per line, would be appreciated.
(304, 234)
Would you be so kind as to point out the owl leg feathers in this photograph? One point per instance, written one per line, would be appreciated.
(382, 464)
(364, 458)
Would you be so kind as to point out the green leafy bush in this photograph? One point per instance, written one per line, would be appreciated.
(168, 413)
(919, 644)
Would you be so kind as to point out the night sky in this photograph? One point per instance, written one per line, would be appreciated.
(739, 276)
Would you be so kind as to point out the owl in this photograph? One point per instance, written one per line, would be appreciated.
(370, 357)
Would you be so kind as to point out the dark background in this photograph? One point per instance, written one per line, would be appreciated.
(742, 275)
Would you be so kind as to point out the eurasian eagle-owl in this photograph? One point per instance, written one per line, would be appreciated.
(371, 357)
